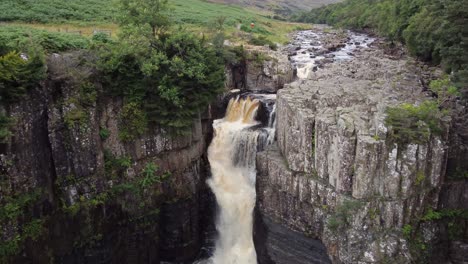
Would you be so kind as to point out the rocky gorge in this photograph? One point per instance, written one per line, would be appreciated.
(335, 174)
(332, 188)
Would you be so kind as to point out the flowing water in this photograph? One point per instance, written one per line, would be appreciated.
(232, 155)
(311, 50)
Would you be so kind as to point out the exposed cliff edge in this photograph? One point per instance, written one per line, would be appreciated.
(100, 197)
(260, 69)
(337, 176)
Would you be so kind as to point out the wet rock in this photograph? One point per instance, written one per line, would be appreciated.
(335, 46)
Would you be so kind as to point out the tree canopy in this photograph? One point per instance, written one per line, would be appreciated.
(171, 73)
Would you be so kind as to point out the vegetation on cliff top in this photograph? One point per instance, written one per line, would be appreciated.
(169, 73)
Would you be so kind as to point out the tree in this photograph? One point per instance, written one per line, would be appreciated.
(143, 17)
(171, 75)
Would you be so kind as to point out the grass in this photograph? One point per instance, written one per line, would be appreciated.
(71, 27)
(13, 37)
(84, 17)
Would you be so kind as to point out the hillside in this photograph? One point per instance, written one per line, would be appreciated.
(280, 6)
(84, 17)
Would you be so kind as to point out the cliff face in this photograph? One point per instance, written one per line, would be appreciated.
(101, 198)
(262, 69)
(335, 174)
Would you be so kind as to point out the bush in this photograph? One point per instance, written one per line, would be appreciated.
(19, 72)
(414, 124)
(343, 214)
(263, 41)
(5, 124)
(133, 122)
(14, 38)
(172, 80)
(45, 11)
(256, 29)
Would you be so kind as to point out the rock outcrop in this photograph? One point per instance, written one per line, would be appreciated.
(101, 199)
(337, 176)
(263, 70)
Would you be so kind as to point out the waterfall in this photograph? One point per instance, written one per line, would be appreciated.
(232, 155)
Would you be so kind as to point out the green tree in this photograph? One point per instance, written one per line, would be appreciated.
(172, 74)
(146, 18)
(19, 72)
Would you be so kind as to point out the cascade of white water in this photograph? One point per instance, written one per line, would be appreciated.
(232, 156)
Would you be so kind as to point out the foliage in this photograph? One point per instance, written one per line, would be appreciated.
(203, 13)
(101, 37)
(420, 177)
(407, 230)
(146, 18)
(256, 29)
(414, 123)
(5, 125)
(75, 117)
(22, 63)
(451, 218)
(77, 114)
(263, 41)
(104, 133)
(56, 10)
(342, 215)
(115, 167)
(432, 30)
(15, 38)
(133, 122)
(173, 78)
(18, 73)
(432, 215)
(141, 185)
(13, 208)
(458, 174)
(445, 90)
(258, 58)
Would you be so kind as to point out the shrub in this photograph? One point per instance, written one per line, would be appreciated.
(263, 41)
(256, 29)
(414, 124)
(104, 133)
(15, 38)
(343, 214)
(5, 125)
(132, 122)
(18, 73)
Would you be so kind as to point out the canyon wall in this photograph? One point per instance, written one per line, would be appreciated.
(101, 196)
(336, 175)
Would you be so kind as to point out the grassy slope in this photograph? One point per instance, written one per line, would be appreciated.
(87, 15)
(293, 5)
